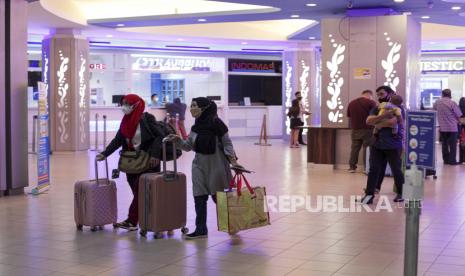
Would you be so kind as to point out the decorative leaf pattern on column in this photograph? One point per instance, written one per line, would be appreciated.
(288, 84)
(82, 100)
(392, 80)
(304, 87)
(337, 81)
(62, 103)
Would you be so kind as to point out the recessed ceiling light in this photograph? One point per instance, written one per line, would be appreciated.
(432, 42)
(425, 17)
(456, 8)
(202, 20)
(311, 37)
(180, 39)
(311, 5)
(295, 16)
(244, 43)
(120, 25)
(109, 35)
(398, 1)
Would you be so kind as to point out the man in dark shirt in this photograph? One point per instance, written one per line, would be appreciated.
(177, 109)
(361, 135)
(387, 148)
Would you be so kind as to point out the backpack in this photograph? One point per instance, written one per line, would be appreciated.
(164, 129)
(167, 129)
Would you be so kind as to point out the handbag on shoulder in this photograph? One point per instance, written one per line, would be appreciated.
(134, 162)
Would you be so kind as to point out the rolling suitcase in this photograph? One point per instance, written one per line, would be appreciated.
(95, 201)
(162, 200)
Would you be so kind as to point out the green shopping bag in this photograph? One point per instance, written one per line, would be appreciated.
(241, 209)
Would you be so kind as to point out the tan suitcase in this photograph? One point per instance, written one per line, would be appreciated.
(95, 203)
(162, 200)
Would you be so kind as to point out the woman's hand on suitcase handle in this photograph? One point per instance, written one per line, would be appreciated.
(172, 138)
(154, 162)
(100, 157)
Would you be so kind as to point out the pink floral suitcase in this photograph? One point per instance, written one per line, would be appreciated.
(95, 203)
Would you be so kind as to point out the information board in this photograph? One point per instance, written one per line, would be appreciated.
(421, 139)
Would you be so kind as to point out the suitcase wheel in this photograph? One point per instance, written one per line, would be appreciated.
(79, 227)
(93, 228)
(158, 235)
(435, 177)
(115, 226)
(184, 230)
(143, 233)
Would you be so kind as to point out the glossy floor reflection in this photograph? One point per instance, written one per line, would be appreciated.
(38, 235)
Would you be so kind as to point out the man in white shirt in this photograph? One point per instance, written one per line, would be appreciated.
(302, 112)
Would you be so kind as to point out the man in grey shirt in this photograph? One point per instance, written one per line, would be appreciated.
(448, 118)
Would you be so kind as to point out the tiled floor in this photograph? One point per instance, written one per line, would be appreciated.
(38, 235)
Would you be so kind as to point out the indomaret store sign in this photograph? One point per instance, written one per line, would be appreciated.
(442, 65)
(260, 66)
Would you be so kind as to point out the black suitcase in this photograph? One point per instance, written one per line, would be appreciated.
(462, 153)
(430, 172)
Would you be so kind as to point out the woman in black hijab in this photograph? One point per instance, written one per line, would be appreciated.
(214, 153)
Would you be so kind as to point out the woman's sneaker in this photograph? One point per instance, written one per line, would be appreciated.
(126, 225)
(195, 235)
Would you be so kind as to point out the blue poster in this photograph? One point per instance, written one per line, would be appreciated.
(43, 151)
(421, 139)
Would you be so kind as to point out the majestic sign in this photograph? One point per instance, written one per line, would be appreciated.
(442, 65)
(158, 63)
(259, 66)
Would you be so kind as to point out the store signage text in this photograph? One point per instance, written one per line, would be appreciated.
(264, 66)
(171, 64)
(98, 66)
(442, 66)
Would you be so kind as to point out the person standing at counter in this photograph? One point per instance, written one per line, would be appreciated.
(177, 108)
(361, 134)
(137, 132)
(295, 121)
(302, 113)
(214, 153)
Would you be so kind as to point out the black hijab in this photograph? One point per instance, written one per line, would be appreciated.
(208, 126)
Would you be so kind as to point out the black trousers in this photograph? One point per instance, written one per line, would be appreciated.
(449, 147)
(201, 213)
(378, 160)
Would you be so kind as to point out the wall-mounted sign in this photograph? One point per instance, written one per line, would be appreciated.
(97, 66)
(442, 65)
(259, 66)
(362, 73)
(155, 63)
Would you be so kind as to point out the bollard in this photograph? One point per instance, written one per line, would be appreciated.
(413, 193)
(96, 133)
(104, 131)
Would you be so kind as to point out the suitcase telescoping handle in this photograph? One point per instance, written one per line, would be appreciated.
(166, 175)
(106, 169)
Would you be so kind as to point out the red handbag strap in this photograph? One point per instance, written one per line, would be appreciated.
(237, 181)
(232, 183)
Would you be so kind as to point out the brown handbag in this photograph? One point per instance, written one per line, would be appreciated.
(134, 162)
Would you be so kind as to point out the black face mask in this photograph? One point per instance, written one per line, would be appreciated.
(385, 99)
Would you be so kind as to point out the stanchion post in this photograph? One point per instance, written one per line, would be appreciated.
(177, 124)
(413, 193)
(96, 133)
(263, 134)
(104, 131)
